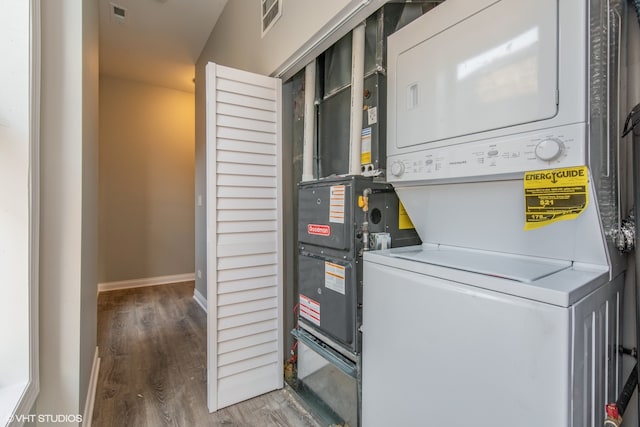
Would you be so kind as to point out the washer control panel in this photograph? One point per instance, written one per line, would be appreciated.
(554, 148)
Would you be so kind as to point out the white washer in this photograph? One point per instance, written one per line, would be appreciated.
(443, 345)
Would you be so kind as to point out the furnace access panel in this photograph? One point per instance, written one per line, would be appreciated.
(330, 243)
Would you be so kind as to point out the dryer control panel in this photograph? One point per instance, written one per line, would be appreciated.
(509, 155)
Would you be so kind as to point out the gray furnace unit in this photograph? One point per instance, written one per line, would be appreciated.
(331, 236)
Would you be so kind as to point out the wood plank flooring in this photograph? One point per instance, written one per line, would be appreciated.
(153, 366)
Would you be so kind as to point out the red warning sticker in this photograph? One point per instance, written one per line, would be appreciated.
(319, 229)
(310, 310)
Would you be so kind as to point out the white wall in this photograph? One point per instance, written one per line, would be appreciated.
(89, 241)
(236, 40)
(14, 194)
(146, 180)
(68, 218)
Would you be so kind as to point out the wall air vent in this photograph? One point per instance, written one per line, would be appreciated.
(118, 13)
(271, 11)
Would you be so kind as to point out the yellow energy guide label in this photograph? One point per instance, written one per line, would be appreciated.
(404, 222)
(554, 195)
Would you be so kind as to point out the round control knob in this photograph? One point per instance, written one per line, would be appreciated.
(549, 149)
(397, 168)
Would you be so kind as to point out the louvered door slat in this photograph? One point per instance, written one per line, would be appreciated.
(244, 241)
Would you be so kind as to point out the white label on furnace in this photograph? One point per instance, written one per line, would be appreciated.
(310, 309)
(336, 204)
(334, 277)
(372, 114)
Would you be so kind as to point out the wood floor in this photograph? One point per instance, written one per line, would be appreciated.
(153, 366)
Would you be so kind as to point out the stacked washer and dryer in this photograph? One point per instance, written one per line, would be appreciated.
(503, 145)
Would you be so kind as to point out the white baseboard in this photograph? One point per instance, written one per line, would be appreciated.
(202, 301)
(91, 392)
(150, 281)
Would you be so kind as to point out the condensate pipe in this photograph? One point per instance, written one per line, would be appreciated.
(357, 101)
(309, 120)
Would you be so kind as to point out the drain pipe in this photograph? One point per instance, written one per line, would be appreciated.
(357, 101)
(309, 120)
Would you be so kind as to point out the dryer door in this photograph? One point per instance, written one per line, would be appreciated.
(493, 68)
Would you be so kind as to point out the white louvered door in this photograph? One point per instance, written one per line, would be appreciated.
(244, 238)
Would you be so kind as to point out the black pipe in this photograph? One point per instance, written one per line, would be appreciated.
(633, 352)
(633, 119)
(628, 390)
(382, 190)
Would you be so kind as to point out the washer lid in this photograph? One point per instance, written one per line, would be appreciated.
(559, 282)
(505, 266)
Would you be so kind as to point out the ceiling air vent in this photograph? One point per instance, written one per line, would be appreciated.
(118, 13)
(271, 11)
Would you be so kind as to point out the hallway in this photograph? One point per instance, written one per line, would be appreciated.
(152, 344)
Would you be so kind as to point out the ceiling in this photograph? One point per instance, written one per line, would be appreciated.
(158, 41)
